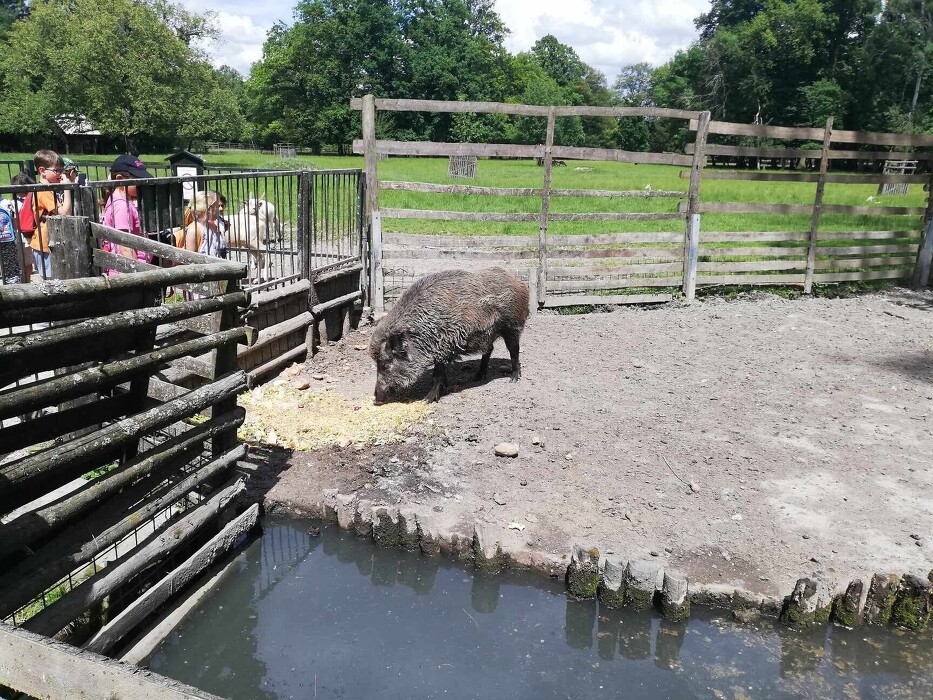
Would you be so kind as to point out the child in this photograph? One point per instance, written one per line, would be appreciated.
(49, 167)
(9, 256)
(120, 210)
(23, 249)
(203, 234)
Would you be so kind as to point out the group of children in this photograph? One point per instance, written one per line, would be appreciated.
(204, 228)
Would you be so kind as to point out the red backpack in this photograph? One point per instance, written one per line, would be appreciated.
(27, 216)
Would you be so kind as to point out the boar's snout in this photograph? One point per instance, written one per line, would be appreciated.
(381, 396)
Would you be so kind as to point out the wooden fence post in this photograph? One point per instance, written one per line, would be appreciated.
(692, 240)
(377, 281)
(70, 247)
(925, 254)
(545, 207)
(818, 207)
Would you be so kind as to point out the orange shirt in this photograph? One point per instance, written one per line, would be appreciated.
(46, 205)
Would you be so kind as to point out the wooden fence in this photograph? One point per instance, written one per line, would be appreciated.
(116, 484)
(606, 268)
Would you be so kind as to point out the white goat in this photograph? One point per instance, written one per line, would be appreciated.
(250, 229)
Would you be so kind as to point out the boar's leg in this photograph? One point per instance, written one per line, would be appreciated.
(483, 366)
(510, 337)
(440, 382)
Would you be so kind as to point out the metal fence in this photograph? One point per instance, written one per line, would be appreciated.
(282, 224)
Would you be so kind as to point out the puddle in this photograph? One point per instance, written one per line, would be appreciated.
(334, 616)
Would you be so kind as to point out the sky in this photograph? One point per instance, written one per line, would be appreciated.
(606, 34)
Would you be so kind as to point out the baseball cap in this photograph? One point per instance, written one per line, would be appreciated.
(130, 164)
(68, 163)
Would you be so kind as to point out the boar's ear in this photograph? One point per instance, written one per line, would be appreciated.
(396, 344)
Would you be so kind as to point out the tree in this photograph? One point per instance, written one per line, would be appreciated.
(115, 63)
(10, 11)
(633, 85)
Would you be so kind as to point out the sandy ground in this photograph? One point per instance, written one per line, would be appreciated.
(745, 443)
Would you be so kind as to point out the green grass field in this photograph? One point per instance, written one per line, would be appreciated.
(602, 176)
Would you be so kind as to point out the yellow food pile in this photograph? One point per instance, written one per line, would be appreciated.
(279, 414)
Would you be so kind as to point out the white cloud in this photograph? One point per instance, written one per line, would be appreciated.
(607, 34)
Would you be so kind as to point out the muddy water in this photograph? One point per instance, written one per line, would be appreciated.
(332, 616)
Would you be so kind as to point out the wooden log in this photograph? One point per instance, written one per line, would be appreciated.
(433, 188)
(753, 208)
(740, 280)
(267, 336)
(45, 294)
(57, 389)
(323, 307)
(862, 275)
(754, 152)
(675, 600)
(56, 616)
(176, 580)
(620, 156)
(71, 310)
(163, 391)
(450, 106)
(584, 285)
(53, 425)
(545, 206)
(162, 250)
(752, 266)
(371, 150)
(30, 476)
(925, 255)
(296, 354)
(173, 453)
(121, 263)
(553, 301)
(105, 526)
(42, 668)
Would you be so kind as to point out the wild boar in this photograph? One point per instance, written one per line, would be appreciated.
(442, 317)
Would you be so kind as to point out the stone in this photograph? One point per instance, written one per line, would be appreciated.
(642, 580)
(911, 608)
(386, 527)
(506, 449)
(583, 572)
(694, 487)
(611, 588)
(809, 603)
(363, 519)
(319, 377)
(535, 439)
(746, 615)
(301, 384)
(675, 601)
(408, 529)
(880, 599)
(345, 511)
(847, 607)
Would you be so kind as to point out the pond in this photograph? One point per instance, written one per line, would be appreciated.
(329, 615)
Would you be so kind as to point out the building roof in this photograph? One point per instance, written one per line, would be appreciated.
(75, 125)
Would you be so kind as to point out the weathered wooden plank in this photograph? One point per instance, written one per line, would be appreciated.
(450, 106)
(335, 273)
(164, 391)
(619, 156)
(843, 263)
(582, 285)
(61, 388)
(545, 205)
(754, 208)
(433, 188)
(799, 249)
(371, 151)
(499, 216)
(868, 235)
(703, 280)
(56, 616)
(71, 310)
(692, 208)
(748, 236)
(836, 178)
(553, 252)
(176, 580)
(456, 242)
(752, 266)
(260, 302)
(621, 270)
(869, 138)
(109, 523)
(433, 148)
(121, 263)
(42, 668)
(30, 476)
(925, 251)
(862, 275)
(595, 299)
(755, 152)
(867, 249)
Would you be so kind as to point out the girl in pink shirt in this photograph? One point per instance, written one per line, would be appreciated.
(120, 211)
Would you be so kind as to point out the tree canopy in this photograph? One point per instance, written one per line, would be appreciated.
(135, 67)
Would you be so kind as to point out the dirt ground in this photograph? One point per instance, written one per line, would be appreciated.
(745, 443)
